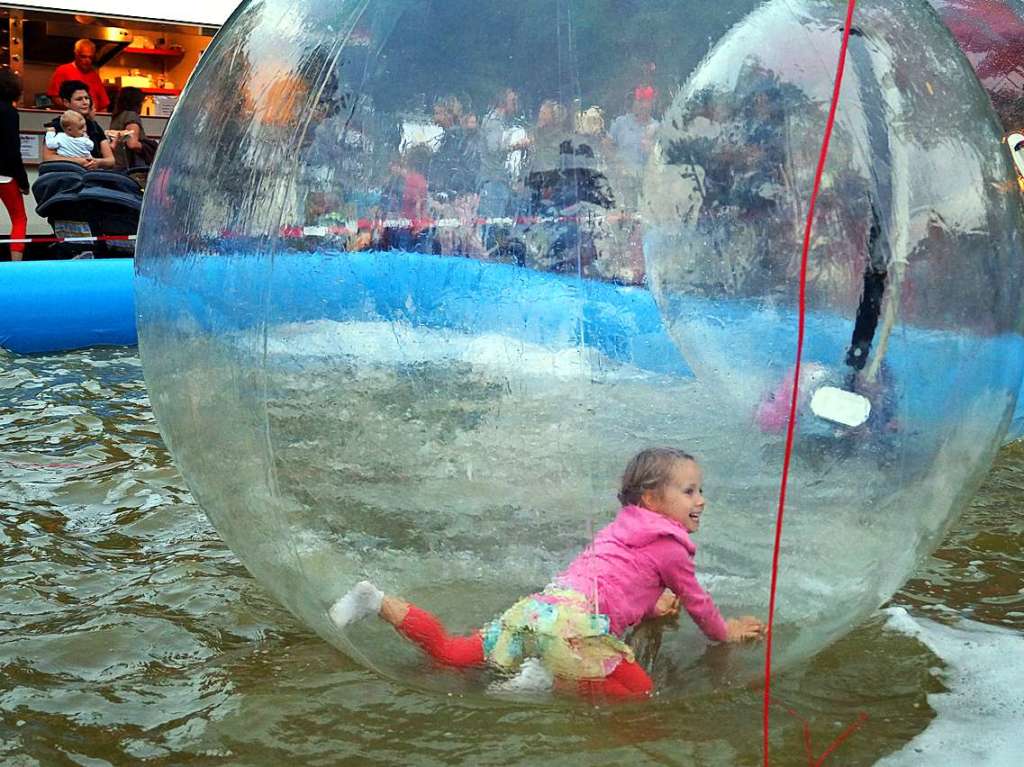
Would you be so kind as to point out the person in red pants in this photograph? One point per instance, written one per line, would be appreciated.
(639, 566)
(13, 179)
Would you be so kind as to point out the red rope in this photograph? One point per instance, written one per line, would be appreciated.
(791, 430)
(82, 239)
(805, 728)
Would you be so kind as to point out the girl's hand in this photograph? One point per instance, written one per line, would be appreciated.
(744, 629)
(667, 605)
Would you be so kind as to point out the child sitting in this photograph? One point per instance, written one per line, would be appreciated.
(72, 142)
(572, 631)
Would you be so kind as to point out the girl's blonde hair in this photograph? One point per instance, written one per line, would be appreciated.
(648, 470)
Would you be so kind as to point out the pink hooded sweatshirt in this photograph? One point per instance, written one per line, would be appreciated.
(631, 562)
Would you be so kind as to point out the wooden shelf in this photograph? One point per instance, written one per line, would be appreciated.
(154, 52)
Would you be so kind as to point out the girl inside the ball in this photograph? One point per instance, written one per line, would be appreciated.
(570, 634)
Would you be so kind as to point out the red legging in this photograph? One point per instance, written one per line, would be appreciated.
(628, 680)
(11, 197)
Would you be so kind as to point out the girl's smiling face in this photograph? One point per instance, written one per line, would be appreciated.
(681, 498)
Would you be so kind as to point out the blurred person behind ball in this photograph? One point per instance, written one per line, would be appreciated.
(13, 179)
(126, 124)
(82, 70)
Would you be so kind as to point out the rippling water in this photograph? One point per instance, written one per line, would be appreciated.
(129, 633)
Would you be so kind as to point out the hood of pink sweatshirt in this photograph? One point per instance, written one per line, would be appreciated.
(637, 527)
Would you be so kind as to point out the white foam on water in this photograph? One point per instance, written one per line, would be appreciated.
(980, 719)
(387, 343)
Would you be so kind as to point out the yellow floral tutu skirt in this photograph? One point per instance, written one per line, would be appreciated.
(558, 627)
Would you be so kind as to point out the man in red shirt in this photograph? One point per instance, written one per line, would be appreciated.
(81, 69)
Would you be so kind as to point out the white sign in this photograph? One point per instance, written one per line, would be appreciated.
(164, 105)
(30, 151)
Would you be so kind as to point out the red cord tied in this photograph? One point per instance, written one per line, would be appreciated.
(805, 727)
(791, 430)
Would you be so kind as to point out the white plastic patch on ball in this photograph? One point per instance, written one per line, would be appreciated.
(840, 406)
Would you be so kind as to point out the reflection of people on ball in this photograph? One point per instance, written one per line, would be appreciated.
(640, 566)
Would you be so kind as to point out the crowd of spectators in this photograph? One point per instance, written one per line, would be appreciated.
(558, 192)
(73, 135)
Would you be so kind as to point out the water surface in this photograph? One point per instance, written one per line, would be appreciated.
(129, 633)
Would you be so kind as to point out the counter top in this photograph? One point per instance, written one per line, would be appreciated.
(29, 115)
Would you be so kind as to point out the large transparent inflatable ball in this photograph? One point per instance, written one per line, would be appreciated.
(416, 278)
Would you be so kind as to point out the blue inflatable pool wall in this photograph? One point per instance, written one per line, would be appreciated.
(52, 306)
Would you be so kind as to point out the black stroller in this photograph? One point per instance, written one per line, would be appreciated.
(56, 194)
(112, 203)
(85, 204)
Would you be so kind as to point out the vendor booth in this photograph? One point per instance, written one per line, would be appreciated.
(151, 47)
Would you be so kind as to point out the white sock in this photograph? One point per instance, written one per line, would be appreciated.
(531, 677)
(362, 600)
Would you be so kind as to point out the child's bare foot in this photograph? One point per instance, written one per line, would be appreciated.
(362, 600)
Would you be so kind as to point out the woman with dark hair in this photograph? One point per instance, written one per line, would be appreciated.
(13, 179)
(131, 136)
(76, 95)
